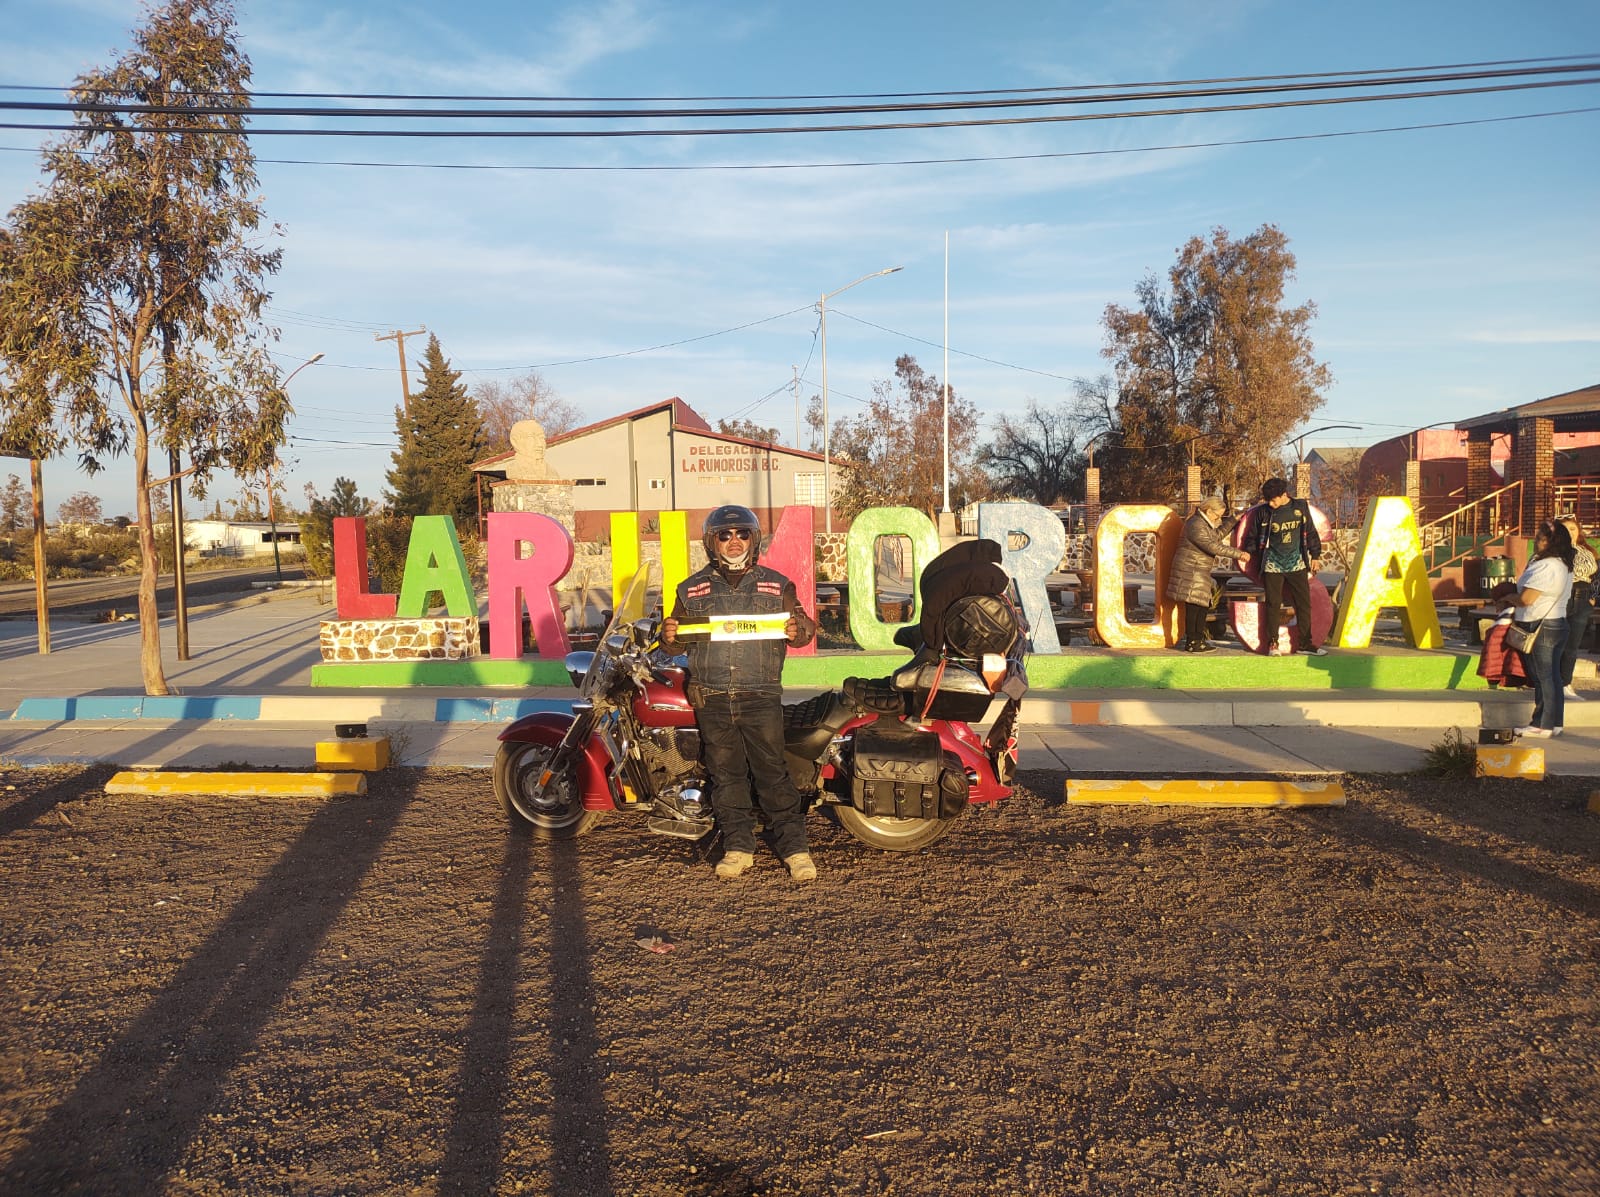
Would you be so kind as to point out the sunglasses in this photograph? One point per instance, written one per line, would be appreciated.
(728, 534)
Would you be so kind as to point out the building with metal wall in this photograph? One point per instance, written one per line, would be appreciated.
(665, 457)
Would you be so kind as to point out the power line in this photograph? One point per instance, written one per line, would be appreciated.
(976, 356)
(1452, 66)
(205, 104)
(843, 165)
(779, 130)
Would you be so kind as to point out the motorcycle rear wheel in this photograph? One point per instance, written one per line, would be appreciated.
(556, 813)
(893, 835)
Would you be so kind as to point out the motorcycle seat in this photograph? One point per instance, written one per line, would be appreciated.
(809, 726)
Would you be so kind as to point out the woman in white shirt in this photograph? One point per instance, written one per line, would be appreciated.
(1543, 589)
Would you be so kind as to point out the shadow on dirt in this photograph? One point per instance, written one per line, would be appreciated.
(128, 1120)
(30, 807)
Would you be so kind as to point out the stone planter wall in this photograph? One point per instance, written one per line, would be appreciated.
(448, 639)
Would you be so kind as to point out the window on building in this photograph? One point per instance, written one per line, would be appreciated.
(658, 484)
(588, 482)
(808, 490)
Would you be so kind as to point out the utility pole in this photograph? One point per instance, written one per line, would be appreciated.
(180, 585)
(399, 339)
(796, 370)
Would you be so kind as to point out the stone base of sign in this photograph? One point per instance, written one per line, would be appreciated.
(351, 640)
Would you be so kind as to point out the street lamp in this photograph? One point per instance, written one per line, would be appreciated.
(827, 460)
(1299, 442)
(272, 519)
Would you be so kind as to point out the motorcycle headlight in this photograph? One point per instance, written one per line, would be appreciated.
(578, 666)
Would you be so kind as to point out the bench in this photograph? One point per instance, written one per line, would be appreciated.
(1068, 625)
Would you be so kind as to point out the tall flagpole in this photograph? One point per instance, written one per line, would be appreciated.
(947, 371)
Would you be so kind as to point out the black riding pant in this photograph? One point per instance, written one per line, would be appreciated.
(1298, 584)
(1194, 622)
(742, 735)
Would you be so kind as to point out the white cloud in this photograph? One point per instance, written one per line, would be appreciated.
(1537, 336)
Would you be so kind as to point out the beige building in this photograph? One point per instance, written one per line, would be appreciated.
(665, 457)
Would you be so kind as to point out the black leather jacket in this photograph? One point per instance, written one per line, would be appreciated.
(748, 666)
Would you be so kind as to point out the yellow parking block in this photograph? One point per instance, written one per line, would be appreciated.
(1197, 792)
(1594, 802)
(367, 755)
(1511, 760)
(242, 785)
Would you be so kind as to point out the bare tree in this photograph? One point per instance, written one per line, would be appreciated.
(749, 430)
(529, 397)
(1039, 456)
(81, 508)
(897, 446)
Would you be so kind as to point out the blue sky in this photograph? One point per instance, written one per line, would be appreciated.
(1454, 268)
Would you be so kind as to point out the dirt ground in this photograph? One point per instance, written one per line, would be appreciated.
(389, 995)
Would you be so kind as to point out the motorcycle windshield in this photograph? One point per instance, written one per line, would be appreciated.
(627, 608)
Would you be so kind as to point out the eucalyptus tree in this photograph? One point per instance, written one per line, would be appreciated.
(132, 285)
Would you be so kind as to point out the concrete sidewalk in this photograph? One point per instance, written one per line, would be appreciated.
(244, 698)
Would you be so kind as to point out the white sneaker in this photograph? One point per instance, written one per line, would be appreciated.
(1535, 733)
(1274, 651)
(1572, 695)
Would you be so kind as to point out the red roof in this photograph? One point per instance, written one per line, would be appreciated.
(683, 416)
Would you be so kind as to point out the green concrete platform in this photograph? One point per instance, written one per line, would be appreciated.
(1078, 669)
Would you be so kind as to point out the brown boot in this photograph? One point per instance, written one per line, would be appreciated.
(733, 864)
(801, 866)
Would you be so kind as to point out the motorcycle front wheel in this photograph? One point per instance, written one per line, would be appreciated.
(554, 813)
(890, 834)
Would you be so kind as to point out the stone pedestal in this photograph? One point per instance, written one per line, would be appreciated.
(448, 639)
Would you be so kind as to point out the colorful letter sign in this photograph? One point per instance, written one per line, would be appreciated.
(434, 565)
(1030, 565)
(1389, 572)
(870, 632)
(529, 579)
(1110, 617)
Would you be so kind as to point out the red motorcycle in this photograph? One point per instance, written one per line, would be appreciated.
(894, 759)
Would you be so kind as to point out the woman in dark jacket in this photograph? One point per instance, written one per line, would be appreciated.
(1189, 582)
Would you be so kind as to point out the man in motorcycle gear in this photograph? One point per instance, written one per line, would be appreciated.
(736, 688)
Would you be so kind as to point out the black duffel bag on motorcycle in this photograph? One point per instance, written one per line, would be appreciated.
(898, 772)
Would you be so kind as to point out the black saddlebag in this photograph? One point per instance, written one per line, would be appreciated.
(946, 689)
(899, 772)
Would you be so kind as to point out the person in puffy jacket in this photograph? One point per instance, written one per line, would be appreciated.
(736, 688)
(1190, 582)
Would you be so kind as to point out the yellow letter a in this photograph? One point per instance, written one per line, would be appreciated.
(1389, 572)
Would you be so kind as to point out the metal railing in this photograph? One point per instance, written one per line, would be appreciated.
(1465, 531)
(1577, 495)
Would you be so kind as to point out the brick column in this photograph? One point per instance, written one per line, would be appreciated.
(1480, 474)
(1414, 487)
(1091, 498)
(1533, 460)
(1302, 480)
(1191, 487)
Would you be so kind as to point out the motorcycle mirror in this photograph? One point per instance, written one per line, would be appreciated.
(616, 643)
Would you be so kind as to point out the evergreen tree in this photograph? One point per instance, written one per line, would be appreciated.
(316, 526)
(440, 437)
(15, 504)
